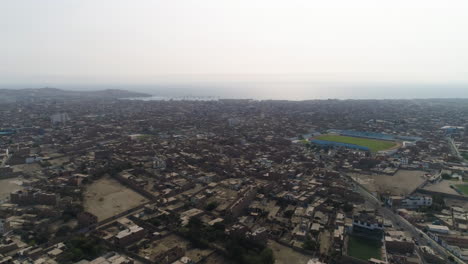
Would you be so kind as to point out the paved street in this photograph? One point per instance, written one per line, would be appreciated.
(402, 223)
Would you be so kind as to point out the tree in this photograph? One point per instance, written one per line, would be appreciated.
(348, 207)
(267, 257)
(211, 206)
(309, 244)
(81, 247)
(288, 213)
(446, 176)
(63, 230)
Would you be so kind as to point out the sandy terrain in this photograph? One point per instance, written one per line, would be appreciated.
(31, 169)
(402, 183)
(286, 255)
(9, 185)
(59, 161)
(107, 197)
(442, 187)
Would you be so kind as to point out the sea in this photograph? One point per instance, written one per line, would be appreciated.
(298, 91)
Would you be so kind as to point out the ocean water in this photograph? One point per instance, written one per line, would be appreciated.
(275, 88)
(303, 91)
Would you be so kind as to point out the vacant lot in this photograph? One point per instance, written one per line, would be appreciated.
(442, 187)
(403, 182)
(107, 197)
(364, 249)
(463, 188)
(8, 186)
(32, 169)
(373, 144)
(286, 255)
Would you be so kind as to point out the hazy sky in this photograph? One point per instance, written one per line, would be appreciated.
(49, 42)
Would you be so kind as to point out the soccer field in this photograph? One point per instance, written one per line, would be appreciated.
(373, 144)
(364, 249)
(463, 188)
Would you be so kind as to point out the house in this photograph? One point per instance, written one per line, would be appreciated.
(368, 224)
(129, 236)
(87, 219)
(438, 229)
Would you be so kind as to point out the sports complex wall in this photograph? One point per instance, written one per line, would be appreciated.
(372, 135)
(326, 143)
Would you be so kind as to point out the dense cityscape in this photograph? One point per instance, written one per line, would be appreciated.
(98, 179)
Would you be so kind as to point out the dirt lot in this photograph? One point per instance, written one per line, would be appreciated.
(442, 187)
(107, 197)
(325, 242)
(32, 169)
(215, 259)
(286, 255)
(9, 185)
(402, 183)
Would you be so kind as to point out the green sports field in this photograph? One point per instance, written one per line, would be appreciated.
(373, 144)
(463, 188)
(364, 249)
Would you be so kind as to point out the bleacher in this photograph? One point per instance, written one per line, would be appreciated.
(373, 135)
(326, 143)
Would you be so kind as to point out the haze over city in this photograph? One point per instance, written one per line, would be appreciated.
(239, 49)
(233, 132)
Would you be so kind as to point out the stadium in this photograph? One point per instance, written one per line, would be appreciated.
(365, 141)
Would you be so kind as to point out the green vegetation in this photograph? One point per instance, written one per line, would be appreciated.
(33, 238)
(446, 176)
(240, 249)
(462, 188)
(364, 249)
(81, 247)
(373, 144)
(288, 214)
(245, 251)
(348, 207)
(464, 155)
(201, 235)
(211, 206)
(310, 244)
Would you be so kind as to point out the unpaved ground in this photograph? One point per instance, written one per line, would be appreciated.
(402, 183)
(286, 255)
(9, 185)
(325, 242)
(442, 187)
(107, 197)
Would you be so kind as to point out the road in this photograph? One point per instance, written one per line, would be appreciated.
(454, 148)
(422, 238)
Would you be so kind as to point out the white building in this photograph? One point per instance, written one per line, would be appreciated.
(438, 229)
(59, 118)
(368, 222)
(416, 201)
